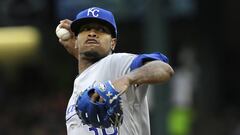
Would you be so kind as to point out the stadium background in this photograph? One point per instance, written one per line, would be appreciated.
(36, 73)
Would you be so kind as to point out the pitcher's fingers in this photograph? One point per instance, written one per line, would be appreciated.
(65, 24)
(66, 21)
(95, 97)
(101, 100)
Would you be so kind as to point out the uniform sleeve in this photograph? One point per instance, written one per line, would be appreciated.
(120, 63)
(142, 58)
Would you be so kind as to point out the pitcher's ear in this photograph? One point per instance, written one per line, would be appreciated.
(76, 44)
(113, 43)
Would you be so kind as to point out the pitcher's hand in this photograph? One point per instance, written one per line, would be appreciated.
(69, 44)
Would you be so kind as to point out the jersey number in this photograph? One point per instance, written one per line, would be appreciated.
(103, 131)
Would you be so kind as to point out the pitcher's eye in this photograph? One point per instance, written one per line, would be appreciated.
(84, 29)
(101, 30)
(104, 30)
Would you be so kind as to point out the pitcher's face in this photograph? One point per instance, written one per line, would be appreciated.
(95, 40)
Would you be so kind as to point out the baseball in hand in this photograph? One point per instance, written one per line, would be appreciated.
(63, 33)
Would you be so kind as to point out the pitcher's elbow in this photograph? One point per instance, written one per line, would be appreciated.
(169, 72)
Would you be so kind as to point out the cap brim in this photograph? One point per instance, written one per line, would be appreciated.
(77, 24)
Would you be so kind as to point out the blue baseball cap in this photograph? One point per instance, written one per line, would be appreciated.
(94, 14)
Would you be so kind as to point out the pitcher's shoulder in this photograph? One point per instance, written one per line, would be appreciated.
(121, 55)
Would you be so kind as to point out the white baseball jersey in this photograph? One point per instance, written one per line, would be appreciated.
(135, 106)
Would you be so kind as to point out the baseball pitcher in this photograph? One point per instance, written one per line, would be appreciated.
(109, 95)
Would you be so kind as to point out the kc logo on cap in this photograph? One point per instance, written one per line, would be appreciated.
(94, 14)
(93, 11)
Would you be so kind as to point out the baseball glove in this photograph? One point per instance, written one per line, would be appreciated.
(102, 113)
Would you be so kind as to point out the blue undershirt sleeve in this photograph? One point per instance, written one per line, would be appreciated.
(142, 58)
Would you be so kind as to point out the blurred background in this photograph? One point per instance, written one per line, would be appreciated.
(200, 38)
